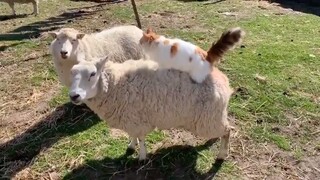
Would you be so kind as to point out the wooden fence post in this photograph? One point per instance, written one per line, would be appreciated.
(136, 13)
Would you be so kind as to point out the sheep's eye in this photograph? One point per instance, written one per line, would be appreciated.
(92, 74)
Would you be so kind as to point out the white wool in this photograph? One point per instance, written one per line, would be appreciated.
(35, 4)
(119, 43)
(137, 97)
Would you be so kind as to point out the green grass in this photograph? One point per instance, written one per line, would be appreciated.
(74, 142)
(60, 98)
(261, 134)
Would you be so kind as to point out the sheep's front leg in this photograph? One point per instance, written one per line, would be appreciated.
(143, 149)
(11, 4)
(224, 147)
(133, 143)
(35, 4)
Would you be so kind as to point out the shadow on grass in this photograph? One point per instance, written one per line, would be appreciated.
(305, 6)
(66, 120)
(191, 0)
(35, 29)
(9, 17)
(175, 162)
(5, 47)
(206, 2)
(102, 1)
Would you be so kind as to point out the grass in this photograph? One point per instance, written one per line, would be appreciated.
(276, 117)
(267, 135)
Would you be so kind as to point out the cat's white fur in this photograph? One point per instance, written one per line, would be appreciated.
(185, 58)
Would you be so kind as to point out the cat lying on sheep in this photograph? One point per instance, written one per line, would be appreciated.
(185, 56)
(137, 97)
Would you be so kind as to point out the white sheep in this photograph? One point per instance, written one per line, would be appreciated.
(71, 46)
(35, 4)
(137, 97)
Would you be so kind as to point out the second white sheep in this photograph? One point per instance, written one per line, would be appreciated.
(71, 46)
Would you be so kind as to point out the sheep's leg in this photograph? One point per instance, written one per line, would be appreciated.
(11, 4)
(35, 7)
(143, 149)
(224, 147)
(133, 143)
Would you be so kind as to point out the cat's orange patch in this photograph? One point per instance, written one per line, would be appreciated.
(202, 53)
(166, 42)
(174, 49)
(149, 37)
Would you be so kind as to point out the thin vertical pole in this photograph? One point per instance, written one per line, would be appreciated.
(136, 13)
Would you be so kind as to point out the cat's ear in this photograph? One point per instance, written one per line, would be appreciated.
(149, 30)
(145, 34)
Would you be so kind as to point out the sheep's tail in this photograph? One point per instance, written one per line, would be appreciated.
(227, 41)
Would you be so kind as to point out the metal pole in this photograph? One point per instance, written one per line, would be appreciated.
(136, 13)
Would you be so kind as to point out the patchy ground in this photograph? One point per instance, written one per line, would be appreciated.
(276, 106)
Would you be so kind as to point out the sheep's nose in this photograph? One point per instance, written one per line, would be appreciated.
(74, 97)
(63, 52)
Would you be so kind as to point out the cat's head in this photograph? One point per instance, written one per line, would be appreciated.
(149, 38)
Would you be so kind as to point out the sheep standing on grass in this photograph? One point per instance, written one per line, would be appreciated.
(35, 4)
(71, 46)
(137, 97)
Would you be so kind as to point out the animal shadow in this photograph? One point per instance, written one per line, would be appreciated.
(9, 17)
(34, 30)
(103, 1)
(66, 120)
(205, 2)
(175, 162)
(305, 6)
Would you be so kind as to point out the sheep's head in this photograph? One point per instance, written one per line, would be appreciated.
(85, 77)
(65, 42)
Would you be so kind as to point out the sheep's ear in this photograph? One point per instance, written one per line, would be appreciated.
(53, 34)
(80, 35)
(101, 63)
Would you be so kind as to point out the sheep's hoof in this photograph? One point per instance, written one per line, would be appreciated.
(142, 158)
(222, 156)
(220, 159)
(130, 151)
(142, 161)
(35, 14)
(218, 163)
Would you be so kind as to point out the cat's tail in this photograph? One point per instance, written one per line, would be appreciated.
(227, 41)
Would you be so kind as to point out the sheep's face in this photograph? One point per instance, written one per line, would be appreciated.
(66, 42)
(85, 77)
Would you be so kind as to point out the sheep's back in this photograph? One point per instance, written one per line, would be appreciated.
(120, 43)
(141, 95)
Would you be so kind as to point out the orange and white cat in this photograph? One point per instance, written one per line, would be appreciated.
(185, 56)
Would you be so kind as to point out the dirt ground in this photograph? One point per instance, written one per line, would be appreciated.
(26, 94)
